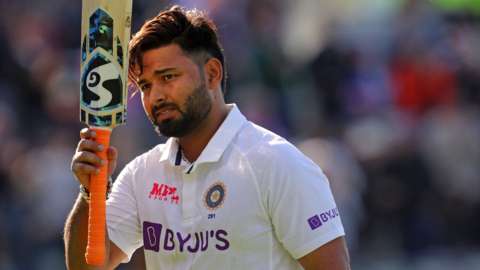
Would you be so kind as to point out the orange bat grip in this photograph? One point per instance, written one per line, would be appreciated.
(95, 253)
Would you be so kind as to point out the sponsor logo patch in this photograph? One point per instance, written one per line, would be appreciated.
(317, 221)
(314, 222)
(164, 192)
(157, 237)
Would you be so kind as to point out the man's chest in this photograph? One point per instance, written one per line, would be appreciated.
(201, 212)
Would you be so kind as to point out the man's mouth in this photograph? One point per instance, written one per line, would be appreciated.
(164, 113)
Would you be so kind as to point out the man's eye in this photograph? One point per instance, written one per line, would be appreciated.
(145, 87)
(168, 77)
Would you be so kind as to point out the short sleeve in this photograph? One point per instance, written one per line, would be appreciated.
(122, 214)
(300, 203)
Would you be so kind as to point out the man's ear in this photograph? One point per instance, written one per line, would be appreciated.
(214, 73)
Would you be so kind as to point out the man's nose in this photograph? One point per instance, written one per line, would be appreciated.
(157, 93)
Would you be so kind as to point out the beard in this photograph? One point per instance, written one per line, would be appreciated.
(195, 110)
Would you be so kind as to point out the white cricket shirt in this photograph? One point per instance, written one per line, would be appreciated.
(250, 201)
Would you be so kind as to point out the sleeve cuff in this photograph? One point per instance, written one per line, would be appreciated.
(121, 244)
(317, 242)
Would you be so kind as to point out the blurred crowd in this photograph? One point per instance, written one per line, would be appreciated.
(383, 95)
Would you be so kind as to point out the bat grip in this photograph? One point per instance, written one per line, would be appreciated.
(95, 253)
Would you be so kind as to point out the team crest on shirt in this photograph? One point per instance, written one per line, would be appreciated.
(214, 196)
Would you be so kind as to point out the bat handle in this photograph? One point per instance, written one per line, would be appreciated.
(95, 253)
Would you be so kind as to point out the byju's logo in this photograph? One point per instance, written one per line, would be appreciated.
(164, 192)
(314, 222)
(156, 238)
(318, 220)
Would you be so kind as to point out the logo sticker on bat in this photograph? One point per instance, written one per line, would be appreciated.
(95, 79)
(103, 71)
(101, 85)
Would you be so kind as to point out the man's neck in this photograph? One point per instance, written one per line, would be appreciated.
(194, 143)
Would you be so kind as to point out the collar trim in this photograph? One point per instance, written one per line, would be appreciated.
(217, 144)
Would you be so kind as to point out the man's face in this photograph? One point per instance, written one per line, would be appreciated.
(174, 91)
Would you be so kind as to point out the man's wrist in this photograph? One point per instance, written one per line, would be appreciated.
(86, 193)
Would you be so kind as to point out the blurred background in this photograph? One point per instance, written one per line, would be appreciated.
(384, 95)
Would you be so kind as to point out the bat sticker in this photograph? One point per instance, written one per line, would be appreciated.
(101, 84)
(101, 31)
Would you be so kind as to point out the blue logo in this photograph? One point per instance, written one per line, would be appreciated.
(314, 222)
(158, 238)
(215, 196)
(318, 220)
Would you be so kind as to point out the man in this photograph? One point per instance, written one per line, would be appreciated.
(221, 193)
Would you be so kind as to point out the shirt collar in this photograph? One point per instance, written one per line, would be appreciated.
(171, 150)
(217, 144)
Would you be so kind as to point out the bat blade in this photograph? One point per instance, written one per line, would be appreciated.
(104, 62)
(103, 97)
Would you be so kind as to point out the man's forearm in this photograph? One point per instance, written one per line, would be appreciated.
(75, 236)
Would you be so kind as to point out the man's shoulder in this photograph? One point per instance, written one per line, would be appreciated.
(273, 157)
(255, 141)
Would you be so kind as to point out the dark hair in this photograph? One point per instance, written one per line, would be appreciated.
(192, 30)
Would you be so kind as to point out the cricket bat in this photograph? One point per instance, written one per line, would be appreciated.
(103, 97)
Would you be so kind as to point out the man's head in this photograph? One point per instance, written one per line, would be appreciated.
(191, 30)
(177, 63)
